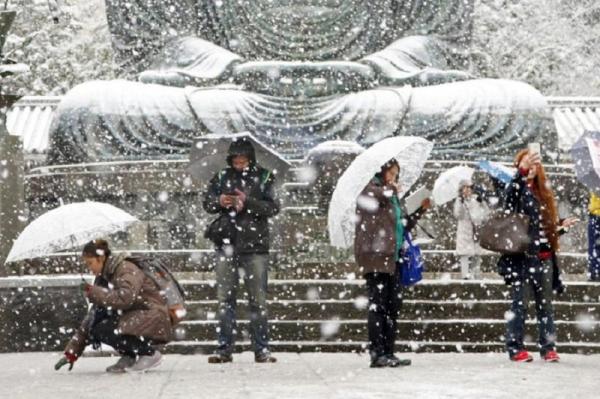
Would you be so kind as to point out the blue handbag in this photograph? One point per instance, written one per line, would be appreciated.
(411, 267)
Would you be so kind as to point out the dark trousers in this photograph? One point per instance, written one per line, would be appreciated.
(535, 280)
(385, 300)
(106, 332)
(254, 268)
(594, 247)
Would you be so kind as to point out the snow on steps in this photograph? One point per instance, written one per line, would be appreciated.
(437, 314)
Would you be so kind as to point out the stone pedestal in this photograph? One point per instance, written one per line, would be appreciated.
(11, 192)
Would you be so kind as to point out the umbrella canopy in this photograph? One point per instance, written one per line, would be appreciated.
(446, 185)
(497, 170)
(410, 152)
(209, 155)
(586, 155)
(68, 226)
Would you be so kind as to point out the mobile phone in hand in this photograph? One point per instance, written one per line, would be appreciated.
(535, 148)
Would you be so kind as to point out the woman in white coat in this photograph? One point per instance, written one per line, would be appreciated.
(469, 212)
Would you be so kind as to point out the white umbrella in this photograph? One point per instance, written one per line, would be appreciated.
(446, 185)
(68, 226)
(410, 152)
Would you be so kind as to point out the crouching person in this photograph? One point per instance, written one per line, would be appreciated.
(128, 313)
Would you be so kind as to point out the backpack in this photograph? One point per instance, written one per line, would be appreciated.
(156, 270)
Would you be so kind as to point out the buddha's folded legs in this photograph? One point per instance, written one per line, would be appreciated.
(101, 121)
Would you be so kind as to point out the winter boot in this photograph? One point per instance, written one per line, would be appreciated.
(146, 362)
(380, 361)
(121, 365)
(264, 357)
(220, 357)
(522, 356)
(395, 362)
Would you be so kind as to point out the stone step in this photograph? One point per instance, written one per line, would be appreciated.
(143, 187)
(317, 261)
(426, 289)
(42, 310)
(209, 346)
(411, 309)
(474, 330)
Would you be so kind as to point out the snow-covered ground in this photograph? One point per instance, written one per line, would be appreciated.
(307, 375)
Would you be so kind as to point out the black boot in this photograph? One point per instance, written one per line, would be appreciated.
(380, 361)
(396, 362)
(264, 357)
(220, 357)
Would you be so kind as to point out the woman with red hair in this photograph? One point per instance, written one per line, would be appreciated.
(530, 193)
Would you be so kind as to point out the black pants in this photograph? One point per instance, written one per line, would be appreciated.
(105, 331)
(385, 300)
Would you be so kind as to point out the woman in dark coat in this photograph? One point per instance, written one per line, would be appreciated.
(378, 241)
(128, 313)
(529, 193)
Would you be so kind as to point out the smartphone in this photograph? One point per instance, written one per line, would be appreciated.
(535, 148)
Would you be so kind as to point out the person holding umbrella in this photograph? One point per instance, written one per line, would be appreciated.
(529, 193)
(585, 153)
(381, 226)
(129, 313)
(243, 196)
(469, 211)
(594, 237)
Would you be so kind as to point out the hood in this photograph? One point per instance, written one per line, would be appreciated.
(111, 264)
(242, 146)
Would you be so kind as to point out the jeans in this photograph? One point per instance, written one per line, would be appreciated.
(254, 272)
(594, 247)
(534, 277)
(385, 300)
(106, 332)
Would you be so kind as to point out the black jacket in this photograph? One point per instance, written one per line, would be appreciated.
(518, 198)
(251, 232)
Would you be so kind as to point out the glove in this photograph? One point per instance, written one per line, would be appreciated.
(67, 358)
(85, 288)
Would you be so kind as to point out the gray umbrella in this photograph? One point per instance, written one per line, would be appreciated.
(209, 155)
(586, 156)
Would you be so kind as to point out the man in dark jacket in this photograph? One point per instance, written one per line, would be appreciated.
(243, 196)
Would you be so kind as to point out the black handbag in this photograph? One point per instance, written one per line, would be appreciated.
(221, 229)
(507, 233)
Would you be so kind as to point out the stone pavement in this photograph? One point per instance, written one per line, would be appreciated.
(306, 375)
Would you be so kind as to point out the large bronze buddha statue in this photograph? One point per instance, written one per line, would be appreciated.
(295, 73)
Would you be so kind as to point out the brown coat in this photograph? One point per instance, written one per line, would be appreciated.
(145, 313)
(375, 237)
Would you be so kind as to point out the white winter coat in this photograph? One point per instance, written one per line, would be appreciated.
(468, 213)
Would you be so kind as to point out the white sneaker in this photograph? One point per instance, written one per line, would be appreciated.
(146, 362)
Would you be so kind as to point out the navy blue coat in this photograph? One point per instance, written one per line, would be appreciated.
(518, 198)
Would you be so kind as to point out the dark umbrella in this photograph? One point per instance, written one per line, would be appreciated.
(586, 156)
(209, 155)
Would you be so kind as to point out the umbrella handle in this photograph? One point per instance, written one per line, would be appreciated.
(428, 234)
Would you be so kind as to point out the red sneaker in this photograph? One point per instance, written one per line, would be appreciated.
(522, 356)
(551, 357)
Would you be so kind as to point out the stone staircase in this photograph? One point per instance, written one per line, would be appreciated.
(441, 313)
(317, 301)
(438, 315)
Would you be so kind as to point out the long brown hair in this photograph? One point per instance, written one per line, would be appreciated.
(543, 193)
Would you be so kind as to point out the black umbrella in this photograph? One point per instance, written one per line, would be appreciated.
(209, 155)
(586, 156)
